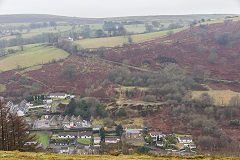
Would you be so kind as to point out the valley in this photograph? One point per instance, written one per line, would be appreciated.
(155, 74)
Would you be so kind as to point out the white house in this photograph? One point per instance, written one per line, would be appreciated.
(48, 101)
(58, 95)
(159, 144)
(191, 146)
(97, 127)
(42, 124)
(97, 140)
(185, 139)
(64, 150)
(112, 140)
(85, 134)
(20, 113)
(156, 135)
(70, 135)
(133, 133)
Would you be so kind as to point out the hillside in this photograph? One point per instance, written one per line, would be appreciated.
(33, 18)
(47, 156)
(183, 80)
(192, 49)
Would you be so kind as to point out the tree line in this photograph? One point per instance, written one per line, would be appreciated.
(14, 132)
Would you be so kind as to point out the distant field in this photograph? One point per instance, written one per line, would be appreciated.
(222, 20)
(119, 41)
(221, 97)
(39, 31)
(32, 55)
(2, 88)
(16, 155)
(137, 28)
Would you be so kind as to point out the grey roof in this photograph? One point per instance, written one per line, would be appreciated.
(73, 118)
(60, 118)
(79, 118)
(53, 119)
(64, 148)
(133, 131)
(68, 133)
(85, 133)
(186, 138)
(66, 119)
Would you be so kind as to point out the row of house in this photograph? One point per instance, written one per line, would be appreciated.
(72, 135)
(60, 122)
(136, 135)
(60, 96)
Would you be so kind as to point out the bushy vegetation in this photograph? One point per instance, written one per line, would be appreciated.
(69, 71)
(85, 108)
(170, 82)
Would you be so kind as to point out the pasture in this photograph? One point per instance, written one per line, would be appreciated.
(35, 32)
(120, 40)
(221, 97)
(36, 54)
(42, 137)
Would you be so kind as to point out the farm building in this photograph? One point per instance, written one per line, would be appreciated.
(133, 134)
(85, 135)
(58, 95)
(112, 140)
(185, 139)
(156, 135)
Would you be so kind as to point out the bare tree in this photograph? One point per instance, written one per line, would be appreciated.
(14, 132)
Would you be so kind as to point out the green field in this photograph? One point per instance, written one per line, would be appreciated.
(138, 28)
(120, 40)
(32, 55)
(2, 88)
(42, 137)
(221, 97)
(86, 141)
(39, 31)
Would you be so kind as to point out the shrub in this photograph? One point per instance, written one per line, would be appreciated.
(222, 38)
(150, 98)
(69, 71)
(234, 123)
(213, 58)
(122, 112)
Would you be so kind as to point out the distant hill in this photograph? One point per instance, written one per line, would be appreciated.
(33, 18)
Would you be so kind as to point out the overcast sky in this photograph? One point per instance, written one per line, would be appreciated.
(118, 8)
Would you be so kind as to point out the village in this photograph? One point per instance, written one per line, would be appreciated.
(64, 134)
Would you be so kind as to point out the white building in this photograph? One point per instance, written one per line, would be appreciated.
(112, 140)
(97, 140)
(156, 135)
(85, 134)
(70, 135)
(64, 150)
(185, 139)
(58, 95)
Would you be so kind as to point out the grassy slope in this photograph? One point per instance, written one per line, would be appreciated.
(86, 141)
(48, 156)
(32, 55)
(118, 41)
(221, 97)
(43, 137)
